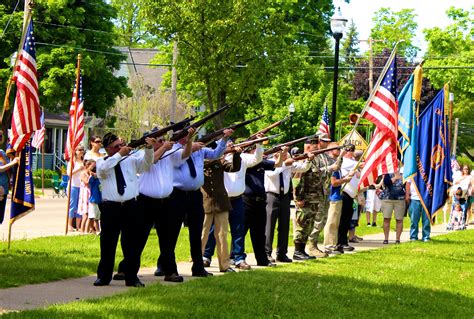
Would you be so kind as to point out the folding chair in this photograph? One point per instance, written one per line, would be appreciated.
(56, 186)
(63, 186)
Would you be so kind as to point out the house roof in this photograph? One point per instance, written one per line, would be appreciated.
(136, 63)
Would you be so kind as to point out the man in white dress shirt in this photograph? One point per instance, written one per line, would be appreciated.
(120, 214)
(277, 187)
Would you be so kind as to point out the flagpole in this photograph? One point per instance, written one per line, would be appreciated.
(42, 167)
(375, 88)
(73, 155)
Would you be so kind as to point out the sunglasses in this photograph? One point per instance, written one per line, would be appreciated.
(98, 141)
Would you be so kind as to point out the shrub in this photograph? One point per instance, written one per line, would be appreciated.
(48, 173)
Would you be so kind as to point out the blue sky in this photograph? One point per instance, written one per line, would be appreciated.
(430, 13)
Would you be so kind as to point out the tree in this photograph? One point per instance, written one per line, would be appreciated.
(62, 30)
(393, 27)
(231, 49)
(453, 46)
(350, 46)
(134, 115)
(131, 32)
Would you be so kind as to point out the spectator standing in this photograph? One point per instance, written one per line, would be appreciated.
(75, 185)
(393, 201)
(416, 211)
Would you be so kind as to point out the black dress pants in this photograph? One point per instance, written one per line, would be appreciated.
(255, 221)
(189, 204)
(278, 208)
(345, 221)
(127, 221)
(157, 212)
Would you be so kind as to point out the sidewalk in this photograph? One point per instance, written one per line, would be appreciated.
(64, 291)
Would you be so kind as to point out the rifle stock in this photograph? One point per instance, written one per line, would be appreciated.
(268, 128)
(160, 132)
(278, 147)
(219, 133)
(179, 135)
(317, 152)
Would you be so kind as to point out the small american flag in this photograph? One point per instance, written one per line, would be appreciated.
(383, 112)
(26, 112)
(75, 132)
(324, 125)
(38, 138)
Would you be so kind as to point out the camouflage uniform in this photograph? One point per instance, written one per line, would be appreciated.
(313, 189)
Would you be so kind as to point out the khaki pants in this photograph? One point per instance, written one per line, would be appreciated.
(221, 227)
(332, 224)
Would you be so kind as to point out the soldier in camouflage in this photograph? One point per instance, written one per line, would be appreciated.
(311, 200)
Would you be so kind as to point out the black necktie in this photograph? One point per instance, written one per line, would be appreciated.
(282, 186)
(192, 169)
(119, 179)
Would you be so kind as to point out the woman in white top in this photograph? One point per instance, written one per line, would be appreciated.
(95, 143)
(75, 187)
(464, 182)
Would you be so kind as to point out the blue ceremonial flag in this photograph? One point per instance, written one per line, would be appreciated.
(408, 100)
(433, 163)
(23, 197)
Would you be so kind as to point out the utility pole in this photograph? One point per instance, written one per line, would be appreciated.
(451, 102)
(371, 66)
(174, 81)
(370, 42)
(455, 136)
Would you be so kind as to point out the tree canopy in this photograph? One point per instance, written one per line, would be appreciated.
(63, 29)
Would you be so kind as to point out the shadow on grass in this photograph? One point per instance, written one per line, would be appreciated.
(269, 294)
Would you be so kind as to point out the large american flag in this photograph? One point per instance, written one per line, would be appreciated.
(383, 112)
(75, 132)
(324, 125)
(38, 138)
(26, 112)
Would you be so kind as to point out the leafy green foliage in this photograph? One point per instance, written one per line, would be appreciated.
(63, 29)
(393, 27)
(455, 45)
(228, 51)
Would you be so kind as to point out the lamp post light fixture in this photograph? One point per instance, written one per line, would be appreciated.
(291, 109)
(338, 24)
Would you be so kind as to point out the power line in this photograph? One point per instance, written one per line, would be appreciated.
(10, 19)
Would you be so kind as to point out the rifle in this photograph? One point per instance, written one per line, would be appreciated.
(209, 138)
(246, 144)
(179, 135)
(160, 132)
(317, 152)
(268, 128)
(278, 147)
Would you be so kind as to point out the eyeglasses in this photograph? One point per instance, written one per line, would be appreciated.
(98, 141)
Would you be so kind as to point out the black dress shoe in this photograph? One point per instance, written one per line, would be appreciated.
(271, 259)
(119, 276)
(159, 272)
(174, 278)
(284, 259)
(101, 282)
(228, 270)
(137, 283)
(202, 274)
(269, 264)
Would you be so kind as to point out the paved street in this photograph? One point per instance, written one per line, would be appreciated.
(49, 218)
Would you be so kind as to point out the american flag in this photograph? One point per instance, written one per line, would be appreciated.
(383, 112)
(26, 112)
(324, 125)
(38, 138)
(75, 132)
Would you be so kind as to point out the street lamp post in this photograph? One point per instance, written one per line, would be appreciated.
(338, 23)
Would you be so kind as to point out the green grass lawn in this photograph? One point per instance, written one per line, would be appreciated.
(429, 280)
(61, 257)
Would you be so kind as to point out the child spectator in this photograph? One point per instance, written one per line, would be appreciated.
(84, 194)
(94, 200)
